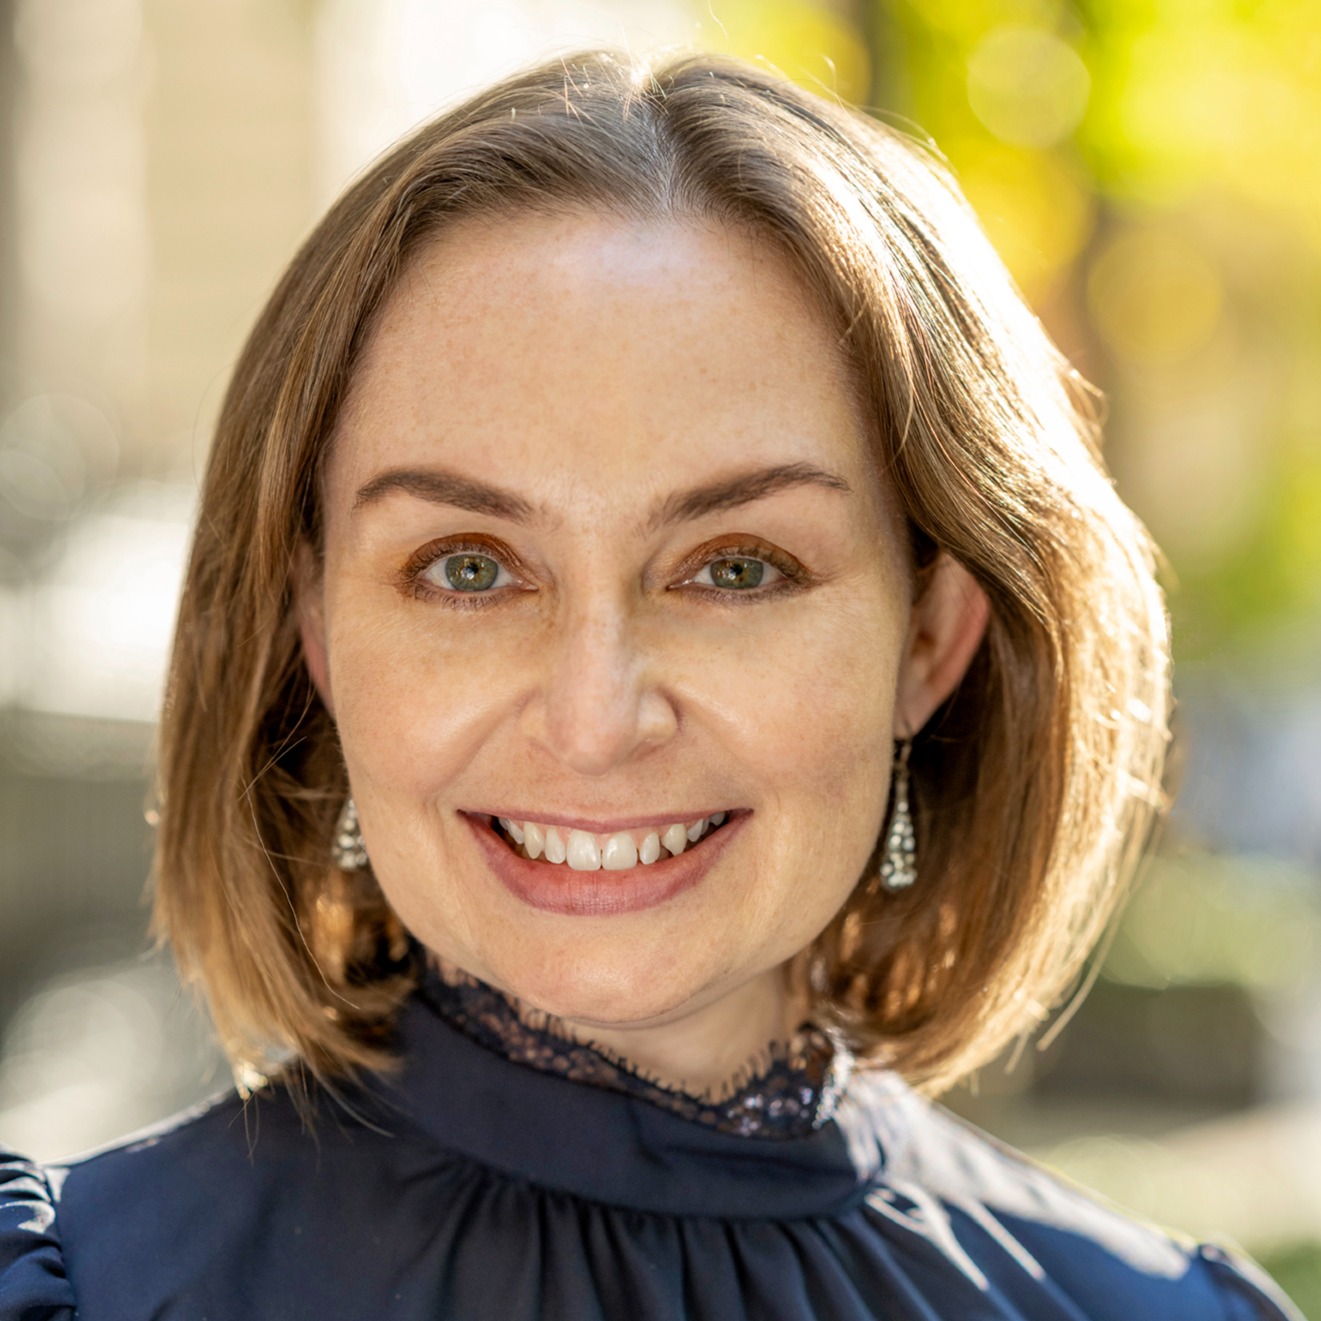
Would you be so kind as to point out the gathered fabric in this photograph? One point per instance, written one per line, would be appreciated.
(504, 1173)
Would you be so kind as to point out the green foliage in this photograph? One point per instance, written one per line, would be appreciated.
(1186, 203)
(1147, 169)
(1271, 577)
(1297, 1270)
(1202, 920)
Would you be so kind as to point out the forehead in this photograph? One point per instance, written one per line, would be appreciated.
(622, 347)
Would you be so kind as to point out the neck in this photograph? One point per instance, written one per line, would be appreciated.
(701, 1052)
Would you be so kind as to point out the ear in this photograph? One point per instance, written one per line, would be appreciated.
(945, 629)
(309, 605)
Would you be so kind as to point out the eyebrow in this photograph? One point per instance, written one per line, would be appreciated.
(443, 487)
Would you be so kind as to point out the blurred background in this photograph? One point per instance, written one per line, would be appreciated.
(1150, 171)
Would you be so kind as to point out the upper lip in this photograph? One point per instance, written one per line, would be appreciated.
(603, 826)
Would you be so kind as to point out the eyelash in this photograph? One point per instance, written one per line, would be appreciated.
(793, 578)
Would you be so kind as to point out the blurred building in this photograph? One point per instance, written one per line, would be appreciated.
(157, 172)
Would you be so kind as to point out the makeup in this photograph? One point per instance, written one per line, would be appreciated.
(560, 889)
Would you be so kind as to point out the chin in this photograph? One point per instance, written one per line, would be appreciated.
(622, 991)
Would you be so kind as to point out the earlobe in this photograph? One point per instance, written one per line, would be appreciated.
(309, 603)
(946, 627)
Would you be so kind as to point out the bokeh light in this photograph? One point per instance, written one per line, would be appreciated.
(1027, 85)
(814, 44)
(1154, 298)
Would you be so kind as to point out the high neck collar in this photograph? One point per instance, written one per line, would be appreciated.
(789, 1089)
(522, 1100)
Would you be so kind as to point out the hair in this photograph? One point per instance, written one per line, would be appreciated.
(1033, 786)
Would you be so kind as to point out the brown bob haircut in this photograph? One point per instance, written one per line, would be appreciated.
(1033, 785)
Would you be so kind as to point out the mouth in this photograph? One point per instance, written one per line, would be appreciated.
(594, 874)
(619, 850)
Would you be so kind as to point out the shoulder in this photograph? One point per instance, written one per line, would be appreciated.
(153, 1217)
(1012, 1227)
(33, 1282)
(108, 1205)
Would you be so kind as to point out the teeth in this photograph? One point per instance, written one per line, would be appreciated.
(584, 851)
(620, 852)
(555, 850)
(675, 839)
(534, 839)
(584, 855)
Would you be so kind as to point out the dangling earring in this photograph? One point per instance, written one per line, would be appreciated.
(899, 865)
(347, 850)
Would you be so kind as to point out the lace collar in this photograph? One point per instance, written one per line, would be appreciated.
(793, 1089)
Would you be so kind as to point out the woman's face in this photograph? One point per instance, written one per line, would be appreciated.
(605, 554)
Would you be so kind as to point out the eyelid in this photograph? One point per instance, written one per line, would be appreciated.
(411, 580)
(741, 555)
(459, 552)
(791, 573)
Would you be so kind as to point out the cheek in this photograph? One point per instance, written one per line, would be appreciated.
(832, 743)
(418, 694)
(811, 700)
(795, 702)
(808, 713)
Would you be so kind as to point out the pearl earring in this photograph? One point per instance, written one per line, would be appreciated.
(347, 850)
(899, 864)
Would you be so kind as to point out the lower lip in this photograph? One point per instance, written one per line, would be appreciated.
(557, 888)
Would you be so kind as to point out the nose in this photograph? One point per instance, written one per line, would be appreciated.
(599, 702)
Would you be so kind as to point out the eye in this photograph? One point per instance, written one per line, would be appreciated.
(459, 573)
(477, 573)
(747, 573)
(466, 570)
(737, 573)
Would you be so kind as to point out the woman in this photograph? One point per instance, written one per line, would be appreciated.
(661, 661)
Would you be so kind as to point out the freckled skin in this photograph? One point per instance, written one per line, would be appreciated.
(595, 366)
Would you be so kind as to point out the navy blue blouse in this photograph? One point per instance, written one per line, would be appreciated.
(492, 1184)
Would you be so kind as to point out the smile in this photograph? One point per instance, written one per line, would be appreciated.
(582, 850)
(603, 891)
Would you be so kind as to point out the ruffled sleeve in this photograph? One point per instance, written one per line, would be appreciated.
(33, 1284)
